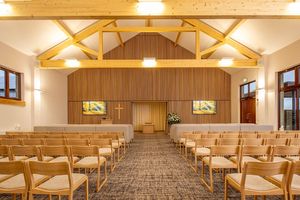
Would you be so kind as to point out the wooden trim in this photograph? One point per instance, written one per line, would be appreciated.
(140, 29)
(12, 102)
(170, 63)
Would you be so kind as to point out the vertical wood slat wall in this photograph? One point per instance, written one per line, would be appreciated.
(177, 87)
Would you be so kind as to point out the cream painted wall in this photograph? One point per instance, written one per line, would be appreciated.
(266, 76)
(45, 106)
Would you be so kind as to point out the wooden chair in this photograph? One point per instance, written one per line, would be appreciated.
(248, 135)
(212, 135)
(106, 150)
(294, 142)
(228, 141)
(72, 136)
(87, 136)
(58, 153)
(182, 140)
(28, 152)
(122, 141)
(230, 135)
(190, 142)
(283, 153)
(55, 135)
(276, 141)
(62, 181)
(19, 136)
(16, 182)
(202, 149)
(287, 135)
(5, 154)
(55, 142)
(267, 135)
(293, 185)
(252, 141)
(78, 142)
(38, 136)
(251, 182)
(90, 159)
(115, 142)
(217, 160)
(33, 142)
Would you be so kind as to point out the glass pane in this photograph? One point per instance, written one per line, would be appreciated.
(288, 110)
(252, 89)
(287, 79)
(244, 91)
(2, 83)
(13, 85)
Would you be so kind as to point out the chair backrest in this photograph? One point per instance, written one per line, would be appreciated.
(294, 170)
(12, 167)
(228, 141)
(25, 151)
(101, 143)
(86, 136)
(72, 136)
(231, 135)
(276, 141)
(108, 136)
(294, 142)
(33, 142)
(266, 135)
(77, 142)
(266, 169)
(38, 136)
(48, 169)
(55, 142)
(254, 150)
(205, 142)
(287, 135)
(19, 136)
(11, 142)
(211, 135)
(55, 135)
(85, 151)
(186, 134)
(252, 141)
(285, 150)
(224, 150)
(193, 137)
(54, 151)
(5, 151)
(248, 135)
(200, 132)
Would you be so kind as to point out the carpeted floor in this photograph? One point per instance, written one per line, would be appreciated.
(152, 169)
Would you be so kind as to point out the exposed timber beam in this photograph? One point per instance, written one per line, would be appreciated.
(149, 29)
(88, 31)
(101, 9)
(175, 63)
(179, 34)
(62, 26)
(221, 37)
(118, 35)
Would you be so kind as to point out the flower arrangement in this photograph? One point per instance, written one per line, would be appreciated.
(173, 118)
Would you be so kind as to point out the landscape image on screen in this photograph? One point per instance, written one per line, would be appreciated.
(204, 107)
(94, 108)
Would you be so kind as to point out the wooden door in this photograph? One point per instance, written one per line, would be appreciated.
(248, 110)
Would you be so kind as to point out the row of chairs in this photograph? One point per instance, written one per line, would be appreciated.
(78, 157)
(29, 178)
(266, 179)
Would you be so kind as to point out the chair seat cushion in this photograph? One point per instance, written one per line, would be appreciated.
(16, 158)
(89, 162)
(61, 182)
(122, 140)
(106, 151)
(4, 176)
(253, 182)
(116, 145)
(45, 158)
(190, 144)
(276, 159)
(293, 158)
(245, 159)
(220, 162)
(18, 181)
(295, 180)
(202, 151)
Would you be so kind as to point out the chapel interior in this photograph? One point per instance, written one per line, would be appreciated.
(149, 99)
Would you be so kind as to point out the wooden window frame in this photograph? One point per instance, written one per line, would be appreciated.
(294, 88)
(19, 89)
(241, 86)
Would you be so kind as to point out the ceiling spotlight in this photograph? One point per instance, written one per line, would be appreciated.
(4, 8)
(150, 7)
(225, 62)
(149, 62)
(73, 63)
(294, 7)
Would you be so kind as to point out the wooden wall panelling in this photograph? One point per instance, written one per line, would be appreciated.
(164, 84)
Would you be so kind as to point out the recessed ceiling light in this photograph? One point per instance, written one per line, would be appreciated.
(294, 7)
(225, 62)
(4, 8)
(74, 63)
(149, 62)
(150, 7)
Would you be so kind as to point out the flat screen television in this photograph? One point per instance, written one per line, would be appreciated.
(94, 108)
(204, 107)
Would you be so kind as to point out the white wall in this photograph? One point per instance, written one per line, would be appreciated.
(45, 106)
(266, 77)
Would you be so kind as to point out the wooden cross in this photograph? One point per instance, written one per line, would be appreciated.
(119, 108)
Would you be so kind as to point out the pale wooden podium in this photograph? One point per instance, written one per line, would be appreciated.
(148, 128)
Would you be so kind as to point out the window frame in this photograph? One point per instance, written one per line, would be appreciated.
(294, 88)
(249, 93)
(18, 78)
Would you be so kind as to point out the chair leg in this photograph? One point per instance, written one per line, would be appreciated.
(30, 196)
(210, 185)
(14, 196)
(186, 151)
(225, 189)
(196, 163)
(87, 189)
(98, 178)
(71, 196)
(59, 197)
(50, 197)
(243, 197)
(291, 196)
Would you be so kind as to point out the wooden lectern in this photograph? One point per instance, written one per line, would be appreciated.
(148, 128)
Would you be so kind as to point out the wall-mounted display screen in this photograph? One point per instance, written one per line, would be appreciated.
(94, 108)
(204, 107)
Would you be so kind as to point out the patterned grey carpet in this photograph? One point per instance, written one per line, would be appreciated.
(152, 169)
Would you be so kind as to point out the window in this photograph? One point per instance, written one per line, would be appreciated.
(248, 90)
(289, 99)
(10, 84)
